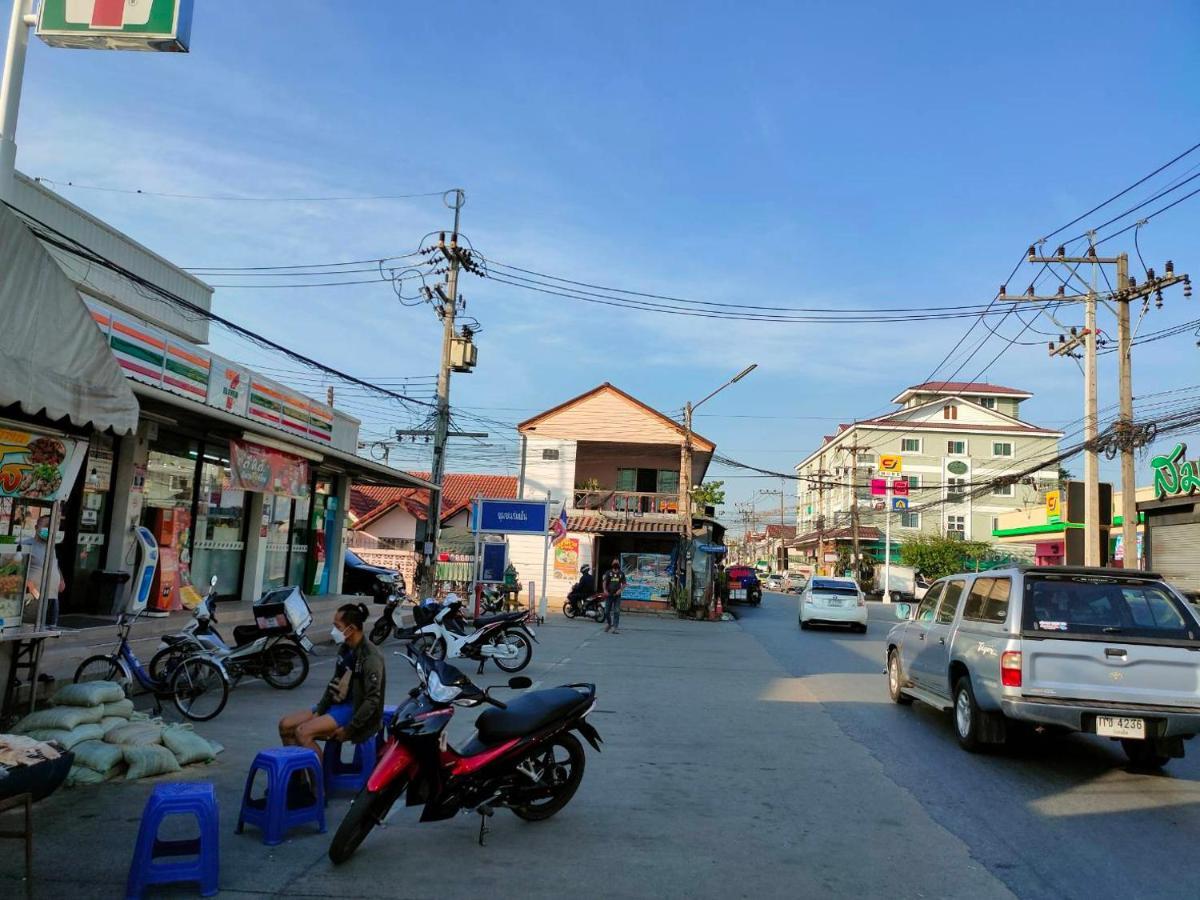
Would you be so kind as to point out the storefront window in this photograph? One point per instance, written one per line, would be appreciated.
(298, 559)
(168, 494)
(218, 546)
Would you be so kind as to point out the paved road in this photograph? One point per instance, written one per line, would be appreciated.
(1054, 818)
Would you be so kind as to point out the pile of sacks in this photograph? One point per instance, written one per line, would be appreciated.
(96, 722)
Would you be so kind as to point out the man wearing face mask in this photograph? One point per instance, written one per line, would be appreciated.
(39, 547)
(351, 709)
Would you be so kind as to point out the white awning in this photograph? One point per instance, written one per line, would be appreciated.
(53, 359)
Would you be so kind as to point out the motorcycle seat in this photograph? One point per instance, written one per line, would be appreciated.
(527, 713)
(498, 617)
(244, 634)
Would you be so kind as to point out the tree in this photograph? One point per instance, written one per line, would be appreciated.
(1064, 475)
(710, 493)
(935, 557)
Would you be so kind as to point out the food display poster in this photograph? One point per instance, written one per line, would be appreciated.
(566, 559)
(36, 466)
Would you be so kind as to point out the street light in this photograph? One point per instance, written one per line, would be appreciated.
(685, 471)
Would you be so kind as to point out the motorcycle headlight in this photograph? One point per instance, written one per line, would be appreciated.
(385, 578)
(442, 693)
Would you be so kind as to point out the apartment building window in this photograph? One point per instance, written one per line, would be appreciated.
(987, 402)
(956, 448)
(949, 411)
(910, 445)
(910, 520)
(956, 527)
(914, 481)
(1002, 490)
(1002, 448)
(956, 489)
(995, 524)
(866, 459)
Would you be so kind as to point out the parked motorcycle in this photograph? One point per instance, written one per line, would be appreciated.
(583, 599)
(274, 648)
(443, 632)
(524, 756)
(389, 620)
(491, 601)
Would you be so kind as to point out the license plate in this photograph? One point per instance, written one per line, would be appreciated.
(738, 595)
(306, 644)
(1120, 727)
(834, 602)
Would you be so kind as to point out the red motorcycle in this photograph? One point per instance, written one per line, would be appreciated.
(523, 757)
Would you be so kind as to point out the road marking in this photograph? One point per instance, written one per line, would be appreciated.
(564, 660)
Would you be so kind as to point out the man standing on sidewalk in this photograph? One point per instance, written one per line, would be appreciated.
(614, 583)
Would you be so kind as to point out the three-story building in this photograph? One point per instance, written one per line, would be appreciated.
(953, 438)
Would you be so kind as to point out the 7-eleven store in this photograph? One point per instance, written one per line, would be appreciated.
(236, 474)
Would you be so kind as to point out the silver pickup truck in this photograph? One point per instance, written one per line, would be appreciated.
(1101, 651)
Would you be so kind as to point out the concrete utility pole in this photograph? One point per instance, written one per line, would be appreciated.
(821, 488)
(447, 308)
(1126, 440)
(853, 451)
(10, 93)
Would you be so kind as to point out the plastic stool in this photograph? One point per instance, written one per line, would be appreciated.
(351, 776)
(389, 713)
(274, 815)
(191, 798)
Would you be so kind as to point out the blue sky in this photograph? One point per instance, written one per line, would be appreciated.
(818, 155)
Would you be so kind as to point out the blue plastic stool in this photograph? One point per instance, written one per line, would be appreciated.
(389, 713)
(147, 868)
(274, 815)
(351, 776)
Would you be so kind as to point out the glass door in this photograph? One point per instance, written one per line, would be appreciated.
(277, 517)
(219, 544)
(301, 530)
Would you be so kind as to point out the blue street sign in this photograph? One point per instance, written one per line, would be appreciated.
(899, 504)
(495, 560)
(510, 517)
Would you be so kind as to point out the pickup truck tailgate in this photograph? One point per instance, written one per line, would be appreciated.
(1111, 672)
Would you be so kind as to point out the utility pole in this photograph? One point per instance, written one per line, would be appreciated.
(821, 488)
(1127, 440)
(447, 307)
(10, 93)
(853, 451)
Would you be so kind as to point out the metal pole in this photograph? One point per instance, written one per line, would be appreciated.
(10, 94)
(442, 428)
(544, 600)
(887, 544)
(1125, 365)
(685, 501)
(1091, 460)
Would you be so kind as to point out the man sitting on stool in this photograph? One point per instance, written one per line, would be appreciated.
(351, 709)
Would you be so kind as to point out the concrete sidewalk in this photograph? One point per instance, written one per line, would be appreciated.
(721, 776)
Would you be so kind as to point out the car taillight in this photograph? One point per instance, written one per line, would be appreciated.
(862, 601)
(1010, 668)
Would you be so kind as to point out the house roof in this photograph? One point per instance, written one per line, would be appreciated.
(865, 533)
(700, 442)
(368, 503)
(784, 531)
(961, 387)
(603, 524)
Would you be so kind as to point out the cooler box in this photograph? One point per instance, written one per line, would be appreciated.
(282, 611)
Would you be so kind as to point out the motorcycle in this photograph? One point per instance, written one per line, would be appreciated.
(491, 601)
(523, 757)
(442, 631)
(273, 649)
(583, 599)
(389, 620)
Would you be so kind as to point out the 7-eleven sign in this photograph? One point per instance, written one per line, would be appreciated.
(116, 24)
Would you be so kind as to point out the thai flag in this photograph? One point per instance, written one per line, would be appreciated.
(558, 528)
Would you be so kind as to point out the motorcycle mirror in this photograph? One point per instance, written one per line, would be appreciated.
(519, 682)
(213, 581)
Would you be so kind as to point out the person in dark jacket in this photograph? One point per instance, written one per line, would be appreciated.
(351, 709)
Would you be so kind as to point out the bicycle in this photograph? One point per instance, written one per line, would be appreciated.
(188, 684)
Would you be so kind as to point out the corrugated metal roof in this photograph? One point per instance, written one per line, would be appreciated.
(605, 525)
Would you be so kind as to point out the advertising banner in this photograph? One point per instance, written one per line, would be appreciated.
(566, 559)
(264, 470)
(36, 466)
(648, 576)
(495, 558)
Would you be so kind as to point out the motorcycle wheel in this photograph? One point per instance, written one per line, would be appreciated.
(562, 761)
(598, 613)
(286, 666)
(569, 610)
(524, 650)
(382, 630)
(434, 648)
(367, 811)
(163, 663)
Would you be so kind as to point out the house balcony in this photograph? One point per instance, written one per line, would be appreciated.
(627, 503)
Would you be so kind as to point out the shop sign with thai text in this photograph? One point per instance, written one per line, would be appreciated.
(38, 466)
(1175, 476)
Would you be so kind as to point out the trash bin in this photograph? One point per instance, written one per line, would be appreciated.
(108, 598)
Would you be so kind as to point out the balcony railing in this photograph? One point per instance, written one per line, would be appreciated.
(627, 502)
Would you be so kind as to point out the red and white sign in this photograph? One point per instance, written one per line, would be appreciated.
(879, 487)
(900, 487)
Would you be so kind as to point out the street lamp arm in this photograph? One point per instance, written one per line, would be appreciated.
(736, 378)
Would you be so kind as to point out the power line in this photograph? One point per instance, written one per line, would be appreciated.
(234, 197)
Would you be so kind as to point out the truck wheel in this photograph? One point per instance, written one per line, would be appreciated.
(1144, 754)
(967, 715)
(896, 679)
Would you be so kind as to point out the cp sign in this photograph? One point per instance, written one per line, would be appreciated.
(891, 465)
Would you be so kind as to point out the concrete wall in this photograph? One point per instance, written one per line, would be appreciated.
(397, 523)
(601, 461)
(542, 475)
